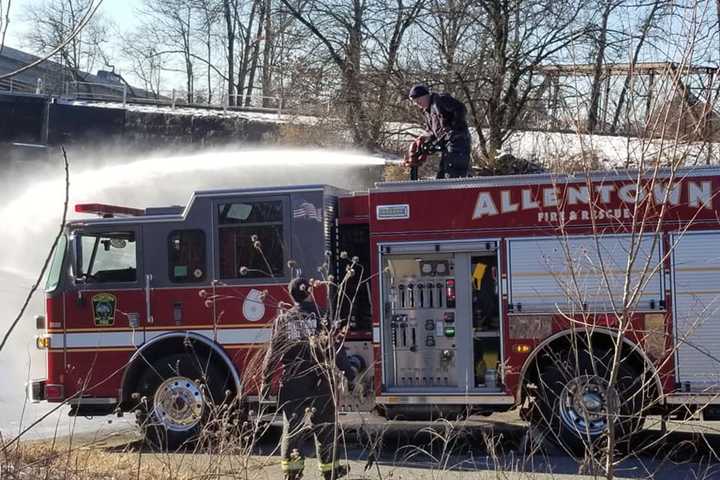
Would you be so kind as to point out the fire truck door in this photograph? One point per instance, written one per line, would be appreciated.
(178, 275)
(109, 306)
(696, 310)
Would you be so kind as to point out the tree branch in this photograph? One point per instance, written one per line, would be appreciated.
(83, 23)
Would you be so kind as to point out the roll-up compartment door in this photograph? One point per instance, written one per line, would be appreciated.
(696, 300)
(574, 274)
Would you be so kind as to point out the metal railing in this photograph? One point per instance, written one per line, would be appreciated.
(253, 102)
(12, 85)
(95, 91)
(177, 98)
(173, 98)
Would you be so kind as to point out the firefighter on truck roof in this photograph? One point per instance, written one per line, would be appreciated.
(446, 131)
(300, 342)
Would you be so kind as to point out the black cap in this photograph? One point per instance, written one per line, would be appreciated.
(299, 289)
(419, 90)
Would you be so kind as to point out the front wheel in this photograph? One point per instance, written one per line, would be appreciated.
(576, 404)
(179, 394)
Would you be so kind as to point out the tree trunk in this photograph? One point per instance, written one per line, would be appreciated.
(267, 57)
(230, 38)
(256, 52)
(500, 23)
(245, 61)
(209, 66)
(356, 109)
(598, 70)
(636, 55)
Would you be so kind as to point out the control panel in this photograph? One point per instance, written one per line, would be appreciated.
(421, 322)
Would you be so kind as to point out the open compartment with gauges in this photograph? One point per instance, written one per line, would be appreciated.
(440, 317)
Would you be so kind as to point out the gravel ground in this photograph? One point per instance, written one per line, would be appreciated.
(402, 450)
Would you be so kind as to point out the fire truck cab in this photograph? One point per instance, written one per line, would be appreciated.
(469, 294)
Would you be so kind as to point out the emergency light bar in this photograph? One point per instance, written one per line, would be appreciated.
(108, 211)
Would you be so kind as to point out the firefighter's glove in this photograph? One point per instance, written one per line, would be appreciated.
(415, 155)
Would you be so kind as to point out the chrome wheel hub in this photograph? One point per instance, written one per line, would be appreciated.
(178, 403)
(585, 404)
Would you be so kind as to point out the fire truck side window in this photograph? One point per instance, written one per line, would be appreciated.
(186, 256)
(109, 257)
(241, 226)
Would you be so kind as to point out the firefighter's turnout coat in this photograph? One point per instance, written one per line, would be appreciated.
(301, 343)
(446, 124)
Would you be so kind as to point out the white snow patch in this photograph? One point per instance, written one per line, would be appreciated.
(271, 117)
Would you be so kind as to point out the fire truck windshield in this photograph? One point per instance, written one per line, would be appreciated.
(53, 277)
(106, 257)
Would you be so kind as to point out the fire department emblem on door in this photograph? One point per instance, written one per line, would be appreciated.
(104, 309)
(253, 306)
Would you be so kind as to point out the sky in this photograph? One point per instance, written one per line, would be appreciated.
(122, 12)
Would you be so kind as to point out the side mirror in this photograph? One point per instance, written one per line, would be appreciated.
(76, 259)
(80, 300)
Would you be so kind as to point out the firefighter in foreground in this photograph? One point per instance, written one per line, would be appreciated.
(300, 342)
(446, 131)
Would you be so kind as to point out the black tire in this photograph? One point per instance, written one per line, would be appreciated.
(180, 392)
(574, 401)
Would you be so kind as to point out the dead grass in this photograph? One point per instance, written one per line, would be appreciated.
(58, 460)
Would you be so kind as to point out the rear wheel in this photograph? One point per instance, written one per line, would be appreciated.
(575, 401)
(180, 393)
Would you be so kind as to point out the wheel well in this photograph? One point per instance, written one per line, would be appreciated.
(172, 344)
(632, 355)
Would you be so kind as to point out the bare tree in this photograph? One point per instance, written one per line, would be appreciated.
(354, 35)
(248, 46)
(255, 52)
(55, 21)
(649, 22)
(607, 7)
(518, 37)
(386, 81)
(451, 29)
(141, 53)
(172, 23)
(229, 7)
(339, 28)
(267, 53)
(209, 13)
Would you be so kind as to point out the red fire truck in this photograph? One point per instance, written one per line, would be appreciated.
(473, 287)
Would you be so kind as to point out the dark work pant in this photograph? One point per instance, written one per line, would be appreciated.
(309, 414)
(455, 157)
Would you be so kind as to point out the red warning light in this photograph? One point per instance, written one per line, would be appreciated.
(108, 211)
(450, 292)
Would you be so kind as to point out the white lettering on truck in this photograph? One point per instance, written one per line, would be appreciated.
(699, 194)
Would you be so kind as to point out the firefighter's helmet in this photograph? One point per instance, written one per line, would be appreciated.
(299, 289)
